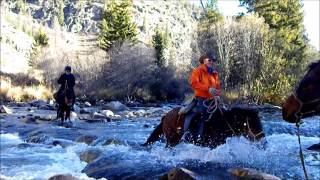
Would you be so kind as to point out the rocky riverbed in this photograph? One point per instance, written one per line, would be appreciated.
(103, 141)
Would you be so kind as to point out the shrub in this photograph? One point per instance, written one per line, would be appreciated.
(41, 38)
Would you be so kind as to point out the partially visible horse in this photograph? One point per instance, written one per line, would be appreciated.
(238, 121)
(65, 100)
(305, 100)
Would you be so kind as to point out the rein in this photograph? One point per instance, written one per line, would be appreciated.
(251, 133)
(212, 108)
(298, 115)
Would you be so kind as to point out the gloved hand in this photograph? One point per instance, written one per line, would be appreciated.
(213, 91)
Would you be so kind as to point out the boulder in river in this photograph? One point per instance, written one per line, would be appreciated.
(63, 177)
(113, 141)
(107, 113)
(315, 147)
(5, 109)
(87, 104)
(90, 155)
(115, 106)
(96, 115)
(38, 103)
(251, 174)
(88, 139)
(178, 173)
(37, 138)
(29, 119)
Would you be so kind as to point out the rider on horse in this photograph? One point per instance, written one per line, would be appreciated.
(205, 83)
(67, 83)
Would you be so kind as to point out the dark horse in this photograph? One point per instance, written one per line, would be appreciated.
(305, 100)
(64, 98)
(234, 122)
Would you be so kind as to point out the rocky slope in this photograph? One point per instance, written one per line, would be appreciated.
(83, 16)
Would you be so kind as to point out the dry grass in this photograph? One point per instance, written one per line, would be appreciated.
(11, 92)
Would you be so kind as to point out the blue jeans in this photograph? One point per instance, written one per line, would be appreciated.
(201, 111)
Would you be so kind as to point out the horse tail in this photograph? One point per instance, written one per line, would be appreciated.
(155, 135)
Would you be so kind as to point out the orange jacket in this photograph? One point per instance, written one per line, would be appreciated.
(201, 81)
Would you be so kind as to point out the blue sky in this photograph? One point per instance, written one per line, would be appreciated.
(311, 16)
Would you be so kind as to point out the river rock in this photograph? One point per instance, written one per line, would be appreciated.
(37, 138)
(113, 141)
(140, 112)
(63, 177)
(90, 155)
(107, 113)
(29, 120)
(178, 174)
(24, 145)
(88, 139)
(251, 174)
(62, 143)
(128, 114)
(115, 106)
(38, 103)
(76, 108)
(5, 109)
(47, 117)
(87, 104)
(314, 147)
(87, 110)
(96, 115)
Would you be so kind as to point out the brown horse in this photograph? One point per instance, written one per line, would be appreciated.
(235, 122)
(305, 101)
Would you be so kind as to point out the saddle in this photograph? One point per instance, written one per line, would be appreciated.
(187, 108)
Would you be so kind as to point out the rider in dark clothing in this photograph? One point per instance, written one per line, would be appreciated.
(68, 78)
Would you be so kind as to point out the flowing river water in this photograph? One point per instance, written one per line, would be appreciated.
(124, 158)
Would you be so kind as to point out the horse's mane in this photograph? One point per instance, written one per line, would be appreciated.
(313, 65)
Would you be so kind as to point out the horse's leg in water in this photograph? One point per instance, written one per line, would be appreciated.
(68, 111)
(62, 110)
(155, 135)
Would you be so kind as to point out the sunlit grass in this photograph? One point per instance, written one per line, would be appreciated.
(24, 93)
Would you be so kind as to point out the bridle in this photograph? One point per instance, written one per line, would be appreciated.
(255, 136)
(299, 114)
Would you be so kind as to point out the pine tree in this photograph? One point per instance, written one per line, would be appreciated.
(211, 13)
(160, 42)
(285, 17)
(116, 25)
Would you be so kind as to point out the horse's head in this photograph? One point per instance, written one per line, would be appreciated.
(246, 121)
(305, 101)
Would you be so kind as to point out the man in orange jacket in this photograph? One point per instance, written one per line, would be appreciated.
(205, 83)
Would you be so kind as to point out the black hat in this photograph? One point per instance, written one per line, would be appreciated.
(67, 68)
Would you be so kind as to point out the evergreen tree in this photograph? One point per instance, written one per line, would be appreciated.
(116, 25)
(160, 42)
(211, 13)
(285, 17)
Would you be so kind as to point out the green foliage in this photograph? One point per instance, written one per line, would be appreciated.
(41, 38)
(285, 17)
(116, 25)
(61, 13)
(19, 6)
(211, 13)
(160, 42)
